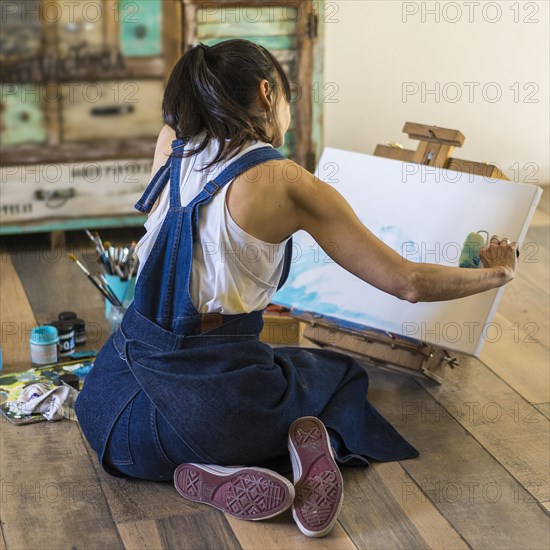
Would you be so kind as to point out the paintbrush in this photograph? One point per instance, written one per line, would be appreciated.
(103, 283)
(91, 237)
(108, 288)
(94, 237)
(65, 364)
(109, 251)
(99, 242)
(133, 263)
(94, 281)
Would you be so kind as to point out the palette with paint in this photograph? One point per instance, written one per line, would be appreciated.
(11, 386)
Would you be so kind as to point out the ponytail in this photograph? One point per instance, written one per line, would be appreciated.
(214, 90)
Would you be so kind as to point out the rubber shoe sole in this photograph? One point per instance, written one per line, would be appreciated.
(317, 478)
(245, 493)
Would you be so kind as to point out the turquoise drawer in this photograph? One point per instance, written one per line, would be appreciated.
(140, 27)
(21, 115)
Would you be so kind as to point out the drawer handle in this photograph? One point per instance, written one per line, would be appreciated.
(113, 110)
(140, 31)
(56, 198)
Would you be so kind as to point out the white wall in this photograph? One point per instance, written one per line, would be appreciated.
(373, 47)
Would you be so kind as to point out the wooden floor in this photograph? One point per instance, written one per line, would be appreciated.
(481, 480)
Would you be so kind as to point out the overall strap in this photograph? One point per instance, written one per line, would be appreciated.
(164, 174)
(154, 189)
(243, 163)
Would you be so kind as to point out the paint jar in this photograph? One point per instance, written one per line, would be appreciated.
(124, 291)
(44, 341)
(65, 329)
(79, 326)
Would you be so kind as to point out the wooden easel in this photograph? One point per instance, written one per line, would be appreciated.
(384, 348)
(435, 147)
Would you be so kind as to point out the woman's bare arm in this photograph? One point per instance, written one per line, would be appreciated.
(324, 213)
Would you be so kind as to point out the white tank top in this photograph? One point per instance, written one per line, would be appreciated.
(232, 271)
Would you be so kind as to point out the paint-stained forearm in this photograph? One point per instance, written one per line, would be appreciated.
(434, 283)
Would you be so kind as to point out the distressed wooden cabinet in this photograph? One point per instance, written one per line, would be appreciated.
(81, 90)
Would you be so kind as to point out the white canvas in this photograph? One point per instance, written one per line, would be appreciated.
(425, 214)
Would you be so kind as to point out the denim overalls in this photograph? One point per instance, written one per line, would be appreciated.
(173, 385)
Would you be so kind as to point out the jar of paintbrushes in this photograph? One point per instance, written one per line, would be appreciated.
(118, 279)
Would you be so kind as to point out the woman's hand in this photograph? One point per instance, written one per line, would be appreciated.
(500, 252)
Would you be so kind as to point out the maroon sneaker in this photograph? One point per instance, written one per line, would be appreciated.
(317, 479)
(245, 493)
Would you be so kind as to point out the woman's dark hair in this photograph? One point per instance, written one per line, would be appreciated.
(215, 89)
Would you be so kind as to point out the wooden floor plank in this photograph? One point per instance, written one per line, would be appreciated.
(526, 299)
(521, 363)
(282, 532)
(140, 535)
(434, 529)
(506, 425)
(383, 525)
(478, 496)
(534, 260)
(17, 318)
(51, 496)
(133, 500)
(543, 408)
(527, 311)
(141, 509)
(204, 530)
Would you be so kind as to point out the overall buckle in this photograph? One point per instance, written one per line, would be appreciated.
(211, 187)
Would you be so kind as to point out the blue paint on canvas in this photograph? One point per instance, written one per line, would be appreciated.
(315, 279)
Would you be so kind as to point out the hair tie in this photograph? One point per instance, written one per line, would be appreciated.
(203, 47)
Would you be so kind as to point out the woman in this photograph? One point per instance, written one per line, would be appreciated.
(185, 383)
